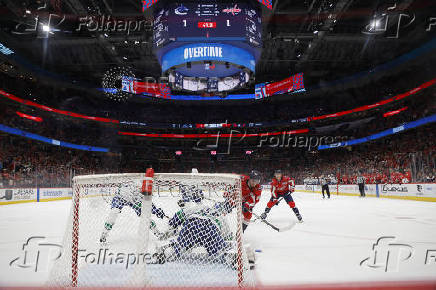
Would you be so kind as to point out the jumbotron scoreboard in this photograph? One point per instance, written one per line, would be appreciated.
(208, 20)
(207, 45)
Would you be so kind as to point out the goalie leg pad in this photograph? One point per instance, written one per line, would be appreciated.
(109, 223)
(111, 218)
(200, 232)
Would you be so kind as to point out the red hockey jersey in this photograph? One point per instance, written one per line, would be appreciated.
(250, 196)
(286, 184)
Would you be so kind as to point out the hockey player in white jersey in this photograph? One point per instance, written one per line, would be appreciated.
(128, 194)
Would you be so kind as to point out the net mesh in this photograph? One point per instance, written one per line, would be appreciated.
(188, 233)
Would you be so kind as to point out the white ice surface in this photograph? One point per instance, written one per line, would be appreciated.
(336, 235)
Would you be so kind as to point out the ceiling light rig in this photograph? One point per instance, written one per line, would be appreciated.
(112, 83)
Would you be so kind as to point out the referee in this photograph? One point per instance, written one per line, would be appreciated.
(324, 186)
(361, 184)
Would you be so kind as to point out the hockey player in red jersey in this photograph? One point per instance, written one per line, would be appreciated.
(281, 186)
(251, 191)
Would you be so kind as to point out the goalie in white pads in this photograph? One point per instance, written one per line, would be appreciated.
(198, 225)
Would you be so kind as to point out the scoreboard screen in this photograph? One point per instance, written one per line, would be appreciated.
(148, 3)
(207, 21)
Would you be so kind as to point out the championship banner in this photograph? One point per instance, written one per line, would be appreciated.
(283, 86)
(292, 84)
(134, 86)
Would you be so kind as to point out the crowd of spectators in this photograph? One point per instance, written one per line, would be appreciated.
(407, 157)
(402, 158)
(24, 163)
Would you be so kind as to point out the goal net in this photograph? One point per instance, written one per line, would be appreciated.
(187, 233)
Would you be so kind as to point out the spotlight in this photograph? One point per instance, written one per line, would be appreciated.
(374, 24)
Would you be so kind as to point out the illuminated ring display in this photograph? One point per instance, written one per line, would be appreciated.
(208, 66)
(208, 52)
(113, 81)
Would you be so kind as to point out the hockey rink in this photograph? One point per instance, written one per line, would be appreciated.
(344, 239)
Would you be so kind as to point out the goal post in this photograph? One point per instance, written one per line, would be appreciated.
(187, 233)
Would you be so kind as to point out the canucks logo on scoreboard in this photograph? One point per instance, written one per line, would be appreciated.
(181, 10)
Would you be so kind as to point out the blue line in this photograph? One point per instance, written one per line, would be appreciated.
(391, 131)
(51, 141)
(427, 47)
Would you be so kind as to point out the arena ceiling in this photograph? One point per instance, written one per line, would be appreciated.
(325, 39)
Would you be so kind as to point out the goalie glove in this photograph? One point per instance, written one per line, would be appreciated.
(168, 234)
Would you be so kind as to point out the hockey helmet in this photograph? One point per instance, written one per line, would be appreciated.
(255, 175)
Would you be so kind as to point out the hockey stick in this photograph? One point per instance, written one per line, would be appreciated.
(277, 203)
(281, 229)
